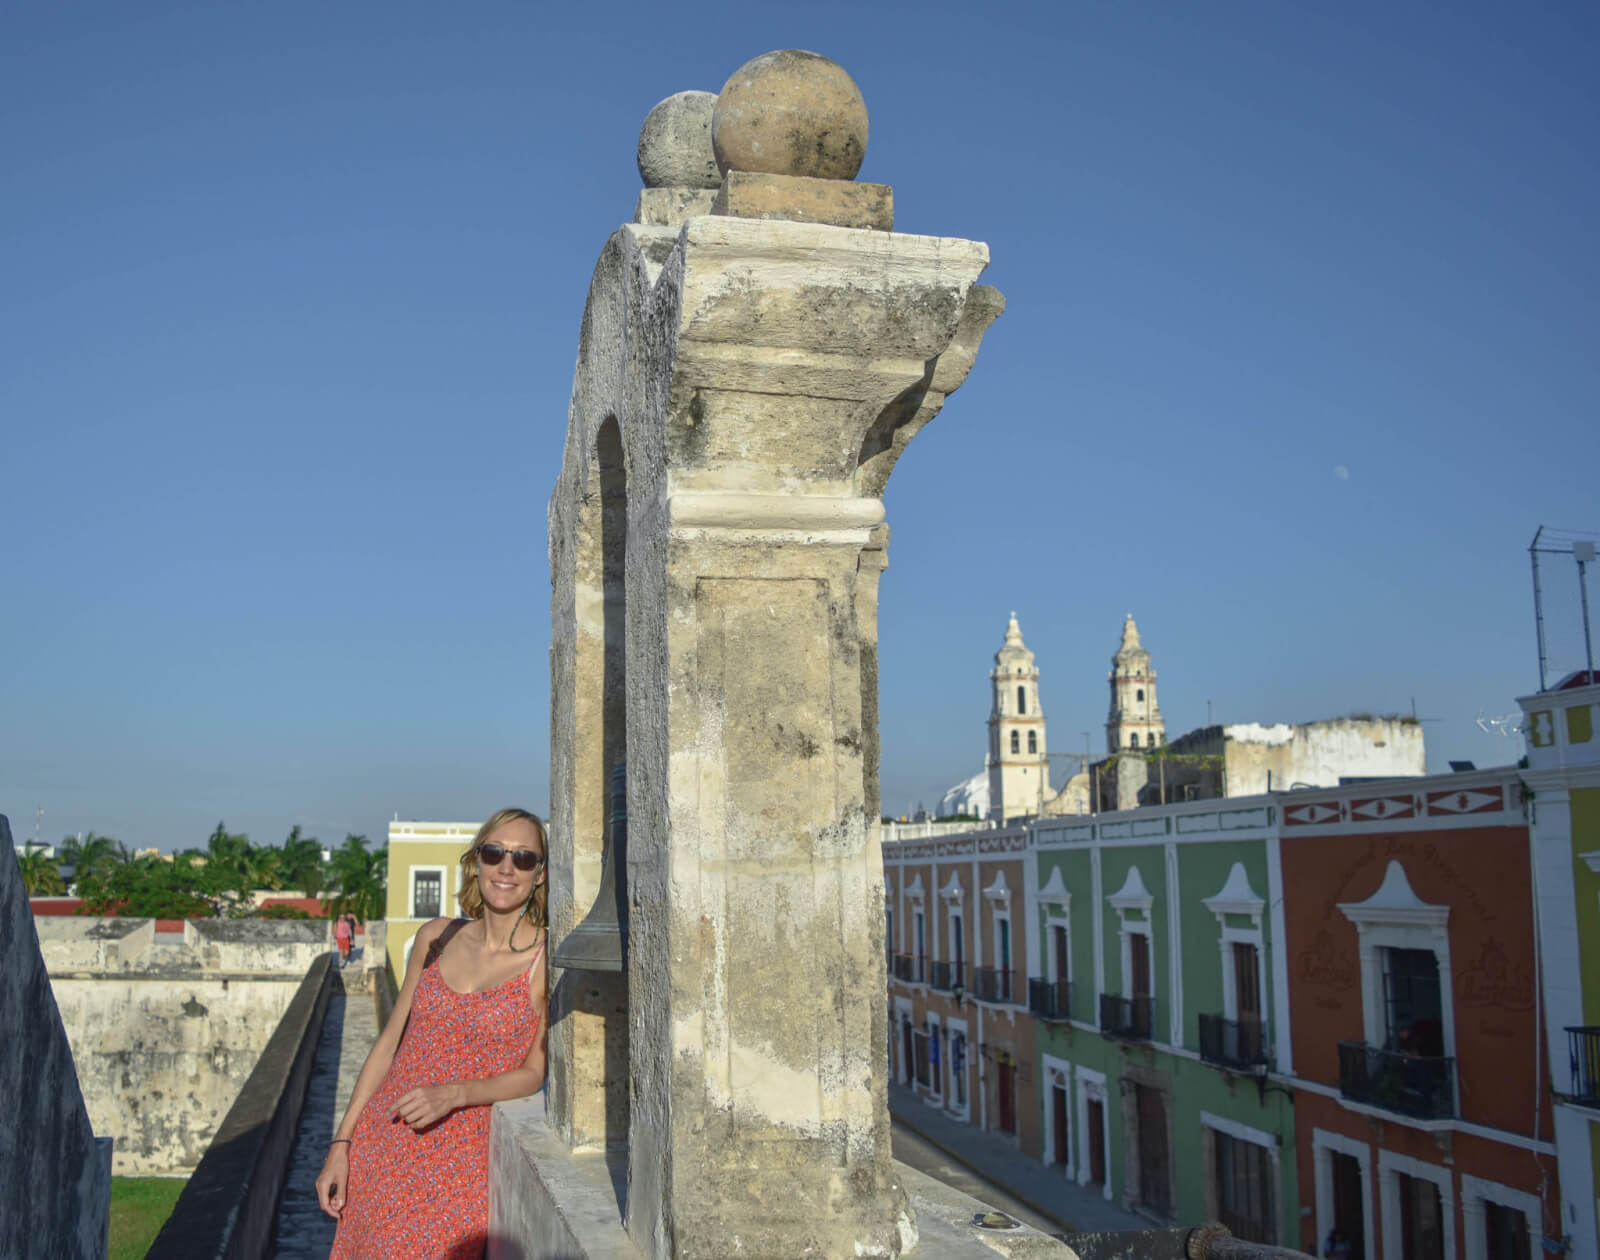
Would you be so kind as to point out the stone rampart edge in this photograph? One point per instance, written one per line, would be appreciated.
(228, 1208)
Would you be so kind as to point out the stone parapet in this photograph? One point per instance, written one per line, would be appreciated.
(227, 1208)
(55, 1190)
(83, 946)
(547, 1200)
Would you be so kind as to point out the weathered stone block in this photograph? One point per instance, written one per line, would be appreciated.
(801, 199)
(668, 207)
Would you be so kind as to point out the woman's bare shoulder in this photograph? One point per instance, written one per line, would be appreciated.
(430, 931)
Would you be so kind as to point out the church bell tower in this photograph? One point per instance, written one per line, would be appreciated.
(1134, 721)
(1019, 771)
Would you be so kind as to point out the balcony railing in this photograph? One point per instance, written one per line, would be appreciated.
(947, 976)
(907, 968)
(1232, 1043)
(1406, 1084)
(1129, 1018)
(991, 984)
(1050, 999)
(1583, 1046)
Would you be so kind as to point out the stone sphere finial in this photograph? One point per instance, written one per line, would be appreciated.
(790, 113)
(675, 143)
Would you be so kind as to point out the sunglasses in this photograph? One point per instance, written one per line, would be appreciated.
(522, 859)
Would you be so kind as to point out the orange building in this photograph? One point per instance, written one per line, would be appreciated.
(1421, 1104)
(961, 1035)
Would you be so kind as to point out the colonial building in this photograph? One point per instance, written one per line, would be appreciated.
(1294, 1012)
(1019, 770)
(1421, 1094)
(1563, 782)
(1155, 936)
(958, 962)
(424, 880)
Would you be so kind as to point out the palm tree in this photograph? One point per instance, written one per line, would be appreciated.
(300, 862)
(39, 874)
(357, 879)
(95, 856)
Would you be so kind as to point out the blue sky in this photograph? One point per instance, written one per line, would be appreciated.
(291, 296)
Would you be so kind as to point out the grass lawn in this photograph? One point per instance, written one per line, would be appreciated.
(139, 1208)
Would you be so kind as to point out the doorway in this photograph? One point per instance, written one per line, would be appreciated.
(1349, 1202)
(1097, 1141)
(1155, 1157)
(1006, 1095)
(1058, 1124)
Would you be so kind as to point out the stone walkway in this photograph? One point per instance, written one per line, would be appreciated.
(350, 1028)
(1075, 1208)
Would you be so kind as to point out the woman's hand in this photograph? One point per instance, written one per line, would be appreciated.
(428, 1104)
(331, 1183)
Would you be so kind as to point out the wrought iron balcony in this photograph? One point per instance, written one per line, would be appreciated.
(906, 968)
(1232, 1043)
(947, 976)
(1131, 1019)
(1050, 999)
(991, 984)
(1583, 1047)
(1406, 1084)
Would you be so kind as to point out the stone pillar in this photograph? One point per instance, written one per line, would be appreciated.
(764, 366)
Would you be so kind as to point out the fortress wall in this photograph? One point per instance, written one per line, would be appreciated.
(165, 1034)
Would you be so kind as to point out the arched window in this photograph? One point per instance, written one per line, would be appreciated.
(1133, 740)
(1033, 741)
(1140, 693)
(1016, 742)
(1022, 700)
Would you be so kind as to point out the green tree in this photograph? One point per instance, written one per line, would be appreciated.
(149, 888)
(39, 873)
(300, 863)
(227, 862)
(93, 855)
(357, 878)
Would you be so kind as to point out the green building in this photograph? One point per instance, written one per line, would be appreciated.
(1155, 983)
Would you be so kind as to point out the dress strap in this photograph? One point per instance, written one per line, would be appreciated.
(440, 941)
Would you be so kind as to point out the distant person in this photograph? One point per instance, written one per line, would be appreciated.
(1337, 1246)
(341, 938)
(407, 1172)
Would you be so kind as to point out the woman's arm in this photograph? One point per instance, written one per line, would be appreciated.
(429, 1104)
(331, 1184)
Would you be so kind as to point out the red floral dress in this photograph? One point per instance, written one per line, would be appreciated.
(425, 1196)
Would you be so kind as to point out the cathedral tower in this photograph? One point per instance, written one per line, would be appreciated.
(1019, 772)
(1135, 718)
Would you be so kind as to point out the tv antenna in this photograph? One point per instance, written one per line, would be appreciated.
(1579, 544)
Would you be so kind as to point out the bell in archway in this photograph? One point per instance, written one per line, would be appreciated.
(600, 942)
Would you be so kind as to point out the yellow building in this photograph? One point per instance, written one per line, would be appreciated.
(424, 878)
(1562, 780)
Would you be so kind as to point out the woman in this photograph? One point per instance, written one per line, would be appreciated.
(407, 1173)
(341, 938)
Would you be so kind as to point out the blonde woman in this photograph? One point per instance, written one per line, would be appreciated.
(407, 1173)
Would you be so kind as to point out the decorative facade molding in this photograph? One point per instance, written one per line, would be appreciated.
(1133, 895)
(1236, 897)
(999, 892)
(1055, 892)
(1395, 904)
